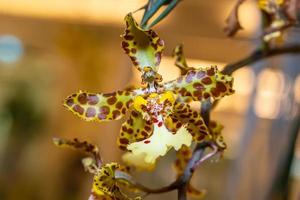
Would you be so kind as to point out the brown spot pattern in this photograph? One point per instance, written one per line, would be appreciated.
(134, 129)
(202, 84)
(99, 107)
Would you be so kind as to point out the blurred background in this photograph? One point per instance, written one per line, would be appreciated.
(52, 48)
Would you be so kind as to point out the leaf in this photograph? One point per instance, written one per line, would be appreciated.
(171, 5)
(153, 6)
(144, 47)
(99, 107)
(202, 84)
(134, 129)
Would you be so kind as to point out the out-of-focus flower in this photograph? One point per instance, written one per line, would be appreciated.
(108, 178)
(232, 21)
(278, 16)
(157, 121)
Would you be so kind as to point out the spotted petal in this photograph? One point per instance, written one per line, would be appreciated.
(79, 145)
(144, 47)
(180, 60)
(183, 114)
(99, 107)
(107, 181)
(134, 129)
(216, 133)
(104, 182)
(202, 84)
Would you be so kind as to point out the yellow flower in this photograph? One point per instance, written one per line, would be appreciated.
(108, 178)
(157, 120)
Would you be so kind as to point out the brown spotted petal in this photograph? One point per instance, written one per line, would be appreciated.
(216, 133)
(99, 107)
(202, 84)
(180, 60)
(106, 183)
(144, 47)
(134, 129)
(183, 114)
(182, 158)
(79, 145)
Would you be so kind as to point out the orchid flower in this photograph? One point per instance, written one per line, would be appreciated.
(279, 15)
(157, 121)
(108, 178)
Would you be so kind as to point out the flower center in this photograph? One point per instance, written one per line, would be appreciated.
(155, 105)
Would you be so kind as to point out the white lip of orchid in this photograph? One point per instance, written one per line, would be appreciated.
(137, 160)
(161, 141)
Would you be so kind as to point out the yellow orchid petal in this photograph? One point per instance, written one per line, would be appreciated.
(144, 47)
(107, 182)
(139, 102)
(160, 142)
(79, 145)
(180, 60)
(183, 114)
(202, 84)
(104, 179)
(99, 107)
(168, 95)
(134, 129)
(216, 133)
